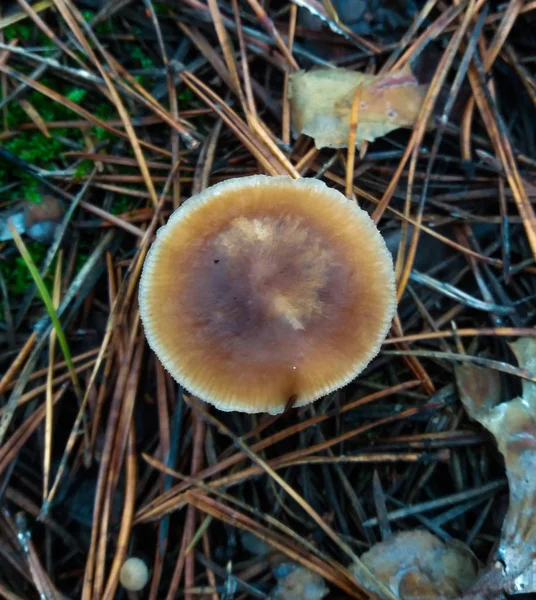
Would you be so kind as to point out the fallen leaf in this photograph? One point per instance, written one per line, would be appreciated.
(321, 102)
(298, 583)
(513, 425)
(417, 565)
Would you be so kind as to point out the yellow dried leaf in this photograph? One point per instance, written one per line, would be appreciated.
(321, 103)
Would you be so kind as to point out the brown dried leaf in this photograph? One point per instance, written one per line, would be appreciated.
(416, 565)
(321, 102)
(513, 424)
(480, 389)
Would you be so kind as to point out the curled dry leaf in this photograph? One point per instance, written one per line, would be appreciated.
(513, 424)
(417, 565)
(321, 103)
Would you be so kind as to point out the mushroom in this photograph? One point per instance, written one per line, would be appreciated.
(264, 290)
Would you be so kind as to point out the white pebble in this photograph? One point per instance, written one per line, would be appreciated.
(134, 574)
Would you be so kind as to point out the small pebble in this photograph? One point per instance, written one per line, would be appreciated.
(134, 575)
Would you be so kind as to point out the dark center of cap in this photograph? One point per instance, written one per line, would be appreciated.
(263, 279)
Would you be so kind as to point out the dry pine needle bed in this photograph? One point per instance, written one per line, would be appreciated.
(319, 381)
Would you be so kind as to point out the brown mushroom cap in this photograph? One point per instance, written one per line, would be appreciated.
(261, 289)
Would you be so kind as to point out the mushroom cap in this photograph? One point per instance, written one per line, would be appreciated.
(262, 289)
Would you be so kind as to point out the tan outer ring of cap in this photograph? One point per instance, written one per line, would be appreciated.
(239, 185)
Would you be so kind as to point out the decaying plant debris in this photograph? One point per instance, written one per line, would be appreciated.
(121, 111)
(513, 424)
(298, 583)
(322, 103)
(417, 565)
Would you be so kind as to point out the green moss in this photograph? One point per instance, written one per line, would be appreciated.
(16, 274)
(32, 146)
(35, 148)
(122, 204)
(186, 97)
(160, 8)
(47, 108)
(101, 134)
(24, 31)
(83, 169)
(29, 190)
(104, 110)
(76, 95)
(80, 261)
(104, 27)
(19, 30)
(139, 54)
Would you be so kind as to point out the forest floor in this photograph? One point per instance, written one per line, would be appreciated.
(112, 113)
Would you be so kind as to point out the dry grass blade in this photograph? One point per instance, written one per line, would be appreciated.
(244, 134)
(14, 444)
(221, 512)
(285, 135)
(126, 521)
(32, 11)
(115, 443)
(460, 75)
(227, 48)
(413, 147)
(275, 438)
(72, 105)
(477, 360)
(272, 30)
(50, 375)
(130, 131)
(20, 534)
(19, 16)
(296, 497)
(505, 153)
(352, 134)
(493, 331)
(293, 544)
(17, 363)
(6, 417)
